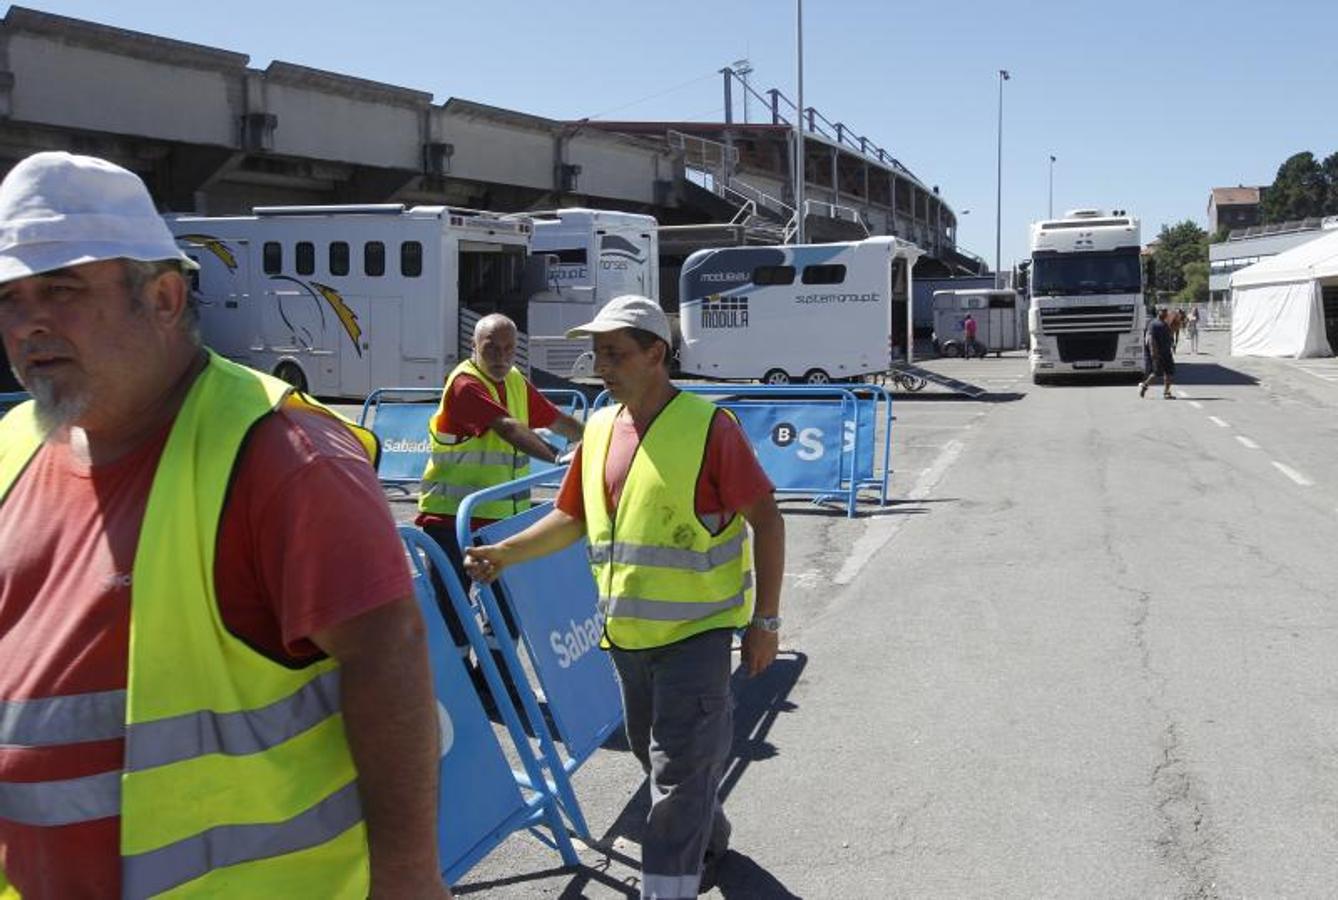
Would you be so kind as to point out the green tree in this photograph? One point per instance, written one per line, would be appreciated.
(1330, 169)
(1195, 276)
(1300, 189)
(1178, 246)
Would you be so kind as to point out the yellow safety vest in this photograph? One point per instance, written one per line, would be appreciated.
(662, 576)
(459, 467)
(238, 780)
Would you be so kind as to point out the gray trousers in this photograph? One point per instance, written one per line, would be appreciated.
(680, 725)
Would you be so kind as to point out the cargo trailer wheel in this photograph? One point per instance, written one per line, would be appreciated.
(817, 376)
(776, 376)
(291, 373)
(952, 350)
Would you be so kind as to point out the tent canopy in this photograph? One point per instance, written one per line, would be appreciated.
(1310, 261)
(1277, 304)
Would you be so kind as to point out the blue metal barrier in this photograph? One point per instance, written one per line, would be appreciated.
(401, 427)
(9, 401)
(554, 602)
(811, 440)
(480, 799)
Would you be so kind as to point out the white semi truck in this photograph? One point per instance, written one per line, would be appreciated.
(342, 300)
(1086, 314)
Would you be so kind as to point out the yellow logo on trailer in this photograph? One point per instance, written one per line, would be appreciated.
(214, 246)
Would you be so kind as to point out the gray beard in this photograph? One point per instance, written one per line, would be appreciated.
(54, 410)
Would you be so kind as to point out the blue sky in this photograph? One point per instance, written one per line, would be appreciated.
(1146, 105)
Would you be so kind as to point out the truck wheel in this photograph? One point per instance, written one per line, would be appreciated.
(291, 373)
(776, 376)
(817, 376)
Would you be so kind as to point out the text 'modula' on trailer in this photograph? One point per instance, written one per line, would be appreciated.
(342, 300)
(814, 313)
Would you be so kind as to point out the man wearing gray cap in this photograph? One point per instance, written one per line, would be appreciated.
(662, 486)
(213, 675)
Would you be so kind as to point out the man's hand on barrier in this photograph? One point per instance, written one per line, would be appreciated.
(553, 532)
(484, 564)
(759, 649)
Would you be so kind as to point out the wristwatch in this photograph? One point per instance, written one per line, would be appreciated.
(767, 623)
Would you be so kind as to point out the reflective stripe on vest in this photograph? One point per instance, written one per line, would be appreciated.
(64, 802)
(662, 577)
(670, 611)
(231, 758)
(459, 467)
(68, 719)
(669, 557)
(160, 870)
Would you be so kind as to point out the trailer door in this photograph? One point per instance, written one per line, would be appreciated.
(221, 287)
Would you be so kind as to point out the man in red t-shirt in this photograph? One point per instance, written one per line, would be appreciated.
(675, 693)
(97, 322)
(469, 410)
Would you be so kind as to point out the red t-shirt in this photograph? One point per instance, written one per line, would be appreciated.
(731, 477)
(306, 542)
(470, 411)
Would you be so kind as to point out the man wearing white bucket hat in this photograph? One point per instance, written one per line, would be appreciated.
(213, 676)
(662, 486)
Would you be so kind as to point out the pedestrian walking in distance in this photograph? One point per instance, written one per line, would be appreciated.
(675, 578)
(1159, 355)
(214, 677)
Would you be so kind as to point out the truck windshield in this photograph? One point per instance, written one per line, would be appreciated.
(1103, 272)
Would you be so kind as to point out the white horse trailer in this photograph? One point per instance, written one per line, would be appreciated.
(591, 256)
(342, 300)
(1001, 321)
(808, 312)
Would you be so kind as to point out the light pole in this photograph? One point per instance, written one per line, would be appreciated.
(799, 125)
(998, 196)
(743, 68)
(1051, 213)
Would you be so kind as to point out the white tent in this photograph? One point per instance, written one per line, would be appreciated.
(1277, 304)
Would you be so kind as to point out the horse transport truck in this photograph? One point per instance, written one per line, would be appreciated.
(810, 313)
(342, 300)
(1086, 315)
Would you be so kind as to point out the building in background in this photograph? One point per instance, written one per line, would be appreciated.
(1247, 246)
(1234, 207)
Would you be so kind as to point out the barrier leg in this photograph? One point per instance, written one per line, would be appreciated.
(419, 543)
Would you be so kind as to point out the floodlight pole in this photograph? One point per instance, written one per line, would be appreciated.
(998, 198)
(799, 233)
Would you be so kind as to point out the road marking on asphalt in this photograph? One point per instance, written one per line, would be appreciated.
(1246, 442)
(1183, 393)
(1327, 373)
(880, 531)
(1196, 404)
(1292, 474)
(1220, 423)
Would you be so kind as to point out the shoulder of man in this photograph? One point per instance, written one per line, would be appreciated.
(291, 438)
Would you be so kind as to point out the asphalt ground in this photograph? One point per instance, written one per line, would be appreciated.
(1087, 651)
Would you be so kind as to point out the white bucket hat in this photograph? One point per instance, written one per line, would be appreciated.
(58, 210)
(628, 311)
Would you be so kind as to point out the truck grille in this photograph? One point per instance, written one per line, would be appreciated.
(1088, 319)
(1087, 347)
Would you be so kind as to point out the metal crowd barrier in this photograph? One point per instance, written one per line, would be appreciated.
(9, 401)
(401, 427)
(555, 606)
(818, 441)
(481, 800)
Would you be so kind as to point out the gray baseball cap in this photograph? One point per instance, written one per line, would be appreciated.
(59, 210)
(628, 311)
